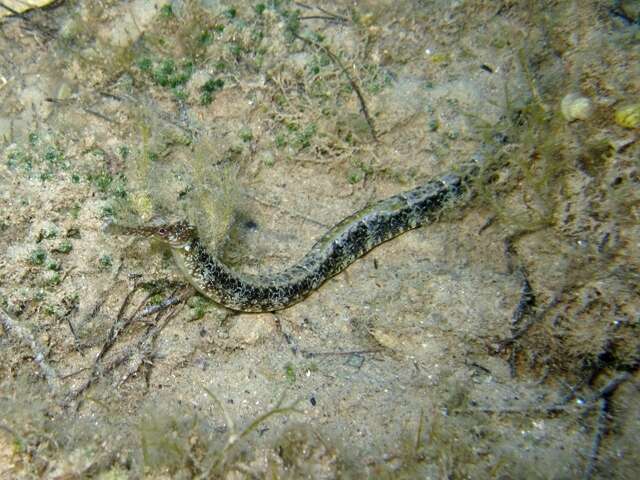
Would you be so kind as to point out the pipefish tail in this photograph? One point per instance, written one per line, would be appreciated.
(342, 245)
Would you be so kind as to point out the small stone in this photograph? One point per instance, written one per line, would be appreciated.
(355, 360)
(576, 107)
(249, 329)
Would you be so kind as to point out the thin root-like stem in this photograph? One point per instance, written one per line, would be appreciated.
(23, 334)
(352, 82)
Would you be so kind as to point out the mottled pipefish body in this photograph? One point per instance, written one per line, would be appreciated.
(338, 248)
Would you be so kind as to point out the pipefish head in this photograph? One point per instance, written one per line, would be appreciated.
(177, 235)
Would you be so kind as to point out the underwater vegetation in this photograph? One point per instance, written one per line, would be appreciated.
(628, 116)
(544, 168)
(213, 111)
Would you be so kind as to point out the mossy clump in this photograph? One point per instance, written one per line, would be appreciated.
(167, 74)
(63, 247)
(48, 442)
(214, 200)
(199, 307)
(539, 165)
(38, 257)
(208, 90)
(628, 116)
(303, 453)
(105, 262)
(176, 441)
(40, 158)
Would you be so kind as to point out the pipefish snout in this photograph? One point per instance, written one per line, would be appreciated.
(175, 234)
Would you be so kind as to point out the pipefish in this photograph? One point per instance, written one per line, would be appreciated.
(339, 247)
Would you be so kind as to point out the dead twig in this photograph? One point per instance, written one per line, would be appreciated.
(586, 406)
(287, 212)
(119, 326)
(525, 305)
(88, 110)
(333, 15)
(490, 221)
(169, 302)
(103, 295)
(22, 333)
(352, 82)
(527, 409)
(527, 299)
(308, 354)
(99, 115)
(523, 308)
(122, 322)
(329, 14)
(610, 388)
(143, 348)
(599, 433)
(602, 399)
(524, 328)
(329, 18)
